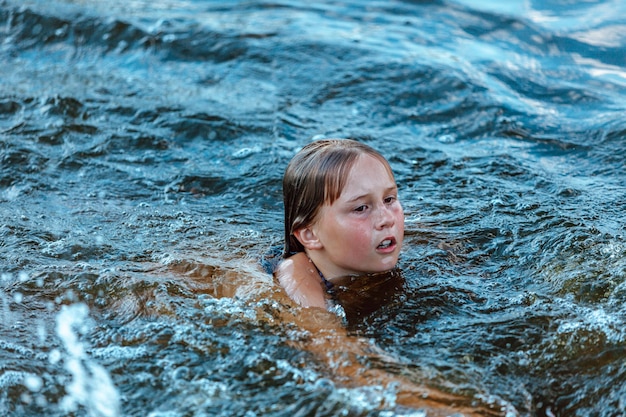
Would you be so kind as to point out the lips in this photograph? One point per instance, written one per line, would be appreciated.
(388, 244)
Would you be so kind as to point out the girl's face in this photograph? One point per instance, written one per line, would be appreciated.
(362, 231)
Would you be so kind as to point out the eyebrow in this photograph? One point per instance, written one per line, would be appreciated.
(360, 196)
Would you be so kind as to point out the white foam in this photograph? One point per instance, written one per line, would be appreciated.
(597, 320)
(91, 386)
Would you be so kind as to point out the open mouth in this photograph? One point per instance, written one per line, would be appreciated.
(386, 243)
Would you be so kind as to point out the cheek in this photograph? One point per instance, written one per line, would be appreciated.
(399, 213)
(356, 235)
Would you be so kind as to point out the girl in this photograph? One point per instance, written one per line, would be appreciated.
(344, 225)
(342, 218)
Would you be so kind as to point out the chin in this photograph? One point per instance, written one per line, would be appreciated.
(385, 268)
(390, 263)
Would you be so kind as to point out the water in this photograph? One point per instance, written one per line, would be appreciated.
(142, 148)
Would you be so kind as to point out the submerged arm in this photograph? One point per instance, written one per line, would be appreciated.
(345, 353)
(347, 356)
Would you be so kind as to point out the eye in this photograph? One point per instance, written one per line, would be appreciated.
(390, 199)
(361, 208)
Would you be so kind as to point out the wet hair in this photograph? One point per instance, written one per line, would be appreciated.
(316, 176)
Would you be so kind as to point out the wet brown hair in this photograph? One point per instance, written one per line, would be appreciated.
(316, 176)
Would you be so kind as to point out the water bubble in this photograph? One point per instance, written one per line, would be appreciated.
(33, 382)
(446, 139)
(245, 152)
(55, 356)
(324, 384)
(62, 31)
(169, 38)
(613, 250)
(70, 295)
(41, 333)
(26, 398)
(181, 373)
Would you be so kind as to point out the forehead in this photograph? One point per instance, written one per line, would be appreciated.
(368, 174)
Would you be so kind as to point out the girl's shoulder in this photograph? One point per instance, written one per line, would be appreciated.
(301, 281)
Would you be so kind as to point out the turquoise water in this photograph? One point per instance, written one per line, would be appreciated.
(142, 149)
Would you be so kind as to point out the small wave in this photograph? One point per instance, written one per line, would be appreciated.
(27, 29)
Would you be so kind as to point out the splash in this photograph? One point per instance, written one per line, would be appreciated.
(91, 386)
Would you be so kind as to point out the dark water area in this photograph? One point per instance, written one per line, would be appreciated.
(142, 147)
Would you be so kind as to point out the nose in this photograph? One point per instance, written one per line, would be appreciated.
(386, 217)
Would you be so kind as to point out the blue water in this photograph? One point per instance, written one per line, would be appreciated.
(142, 147)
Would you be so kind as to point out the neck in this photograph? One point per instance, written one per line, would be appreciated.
(325, 281)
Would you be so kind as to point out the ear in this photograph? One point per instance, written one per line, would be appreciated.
(308, 238)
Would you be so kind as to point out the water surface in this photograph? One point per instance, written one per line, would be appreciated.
(142, 148)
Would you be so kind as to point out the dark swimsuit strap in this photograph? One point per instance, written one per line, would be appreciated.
(331, 304)
(329, 285)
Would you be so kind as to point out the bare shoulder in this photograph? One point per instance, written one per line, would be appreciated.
(298, 276)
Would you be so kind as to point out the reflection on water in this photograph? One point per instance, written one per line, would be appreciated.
(142, 146)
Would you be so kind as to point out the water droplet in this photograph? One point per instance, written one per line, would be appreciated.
(447, 139)
(33, 382)
(54, 357)
(245, 152)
